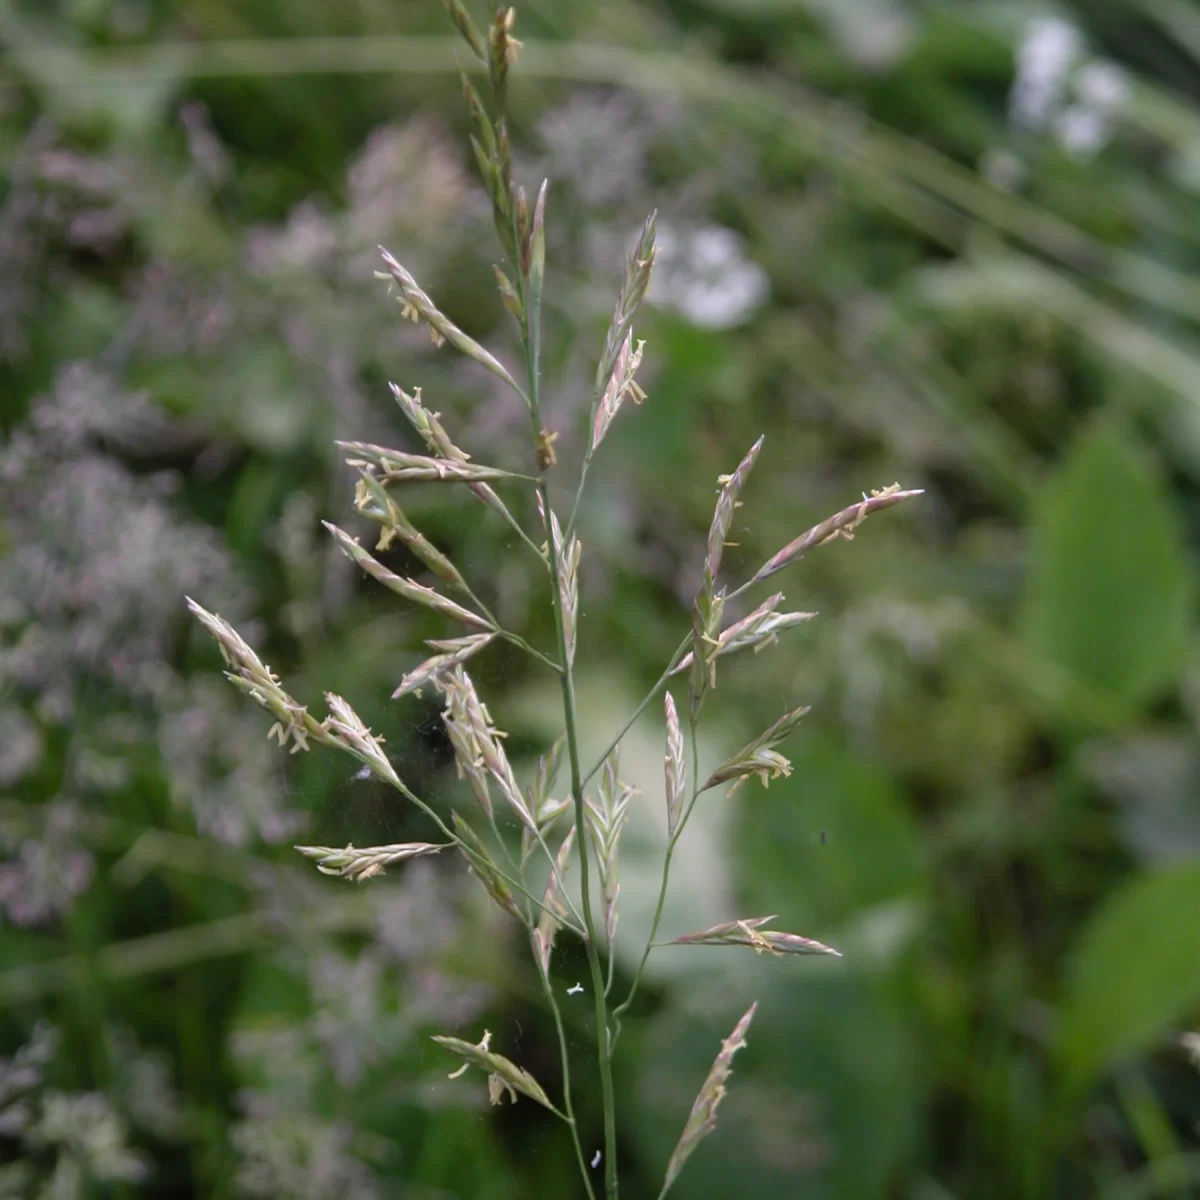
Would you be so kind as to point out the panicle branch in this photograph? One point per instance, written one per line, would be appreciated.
(429, 427)
(675, 767)
(570, 551)
(483, 866)
(397, 466)
(249, 674)
(347, 730)
(467, 27)
(372, 500)
(545, 809)
(755, 631)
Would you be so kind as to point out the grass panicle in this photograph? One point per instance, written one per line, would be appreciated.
(592, 840)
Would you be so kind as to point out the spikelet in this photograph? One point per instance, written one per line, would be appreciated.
(358, 865)
(750, 932)
(605, 821)
(842, 524)
(703, 1118)
(503, 1074)
(758, 758)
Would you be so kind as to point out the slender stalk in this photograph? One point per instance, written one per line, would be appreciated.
(512, 862)
(566, 1074)
(583, 474)
(514, 638)
(623, 1007)
(518, 641)
(532, 341)
(641, 708)
(472, 856)
(519, 530)
(562, 883)
(662, 891)
(602, 1033)
(518, 886)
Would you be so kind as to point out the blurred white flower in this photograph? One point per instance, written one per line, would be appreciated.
(1044, 61)
(704, 275)
(1101, 86)
(598, 145)
(1081, 131)
(1002, 169)
(1056, 89)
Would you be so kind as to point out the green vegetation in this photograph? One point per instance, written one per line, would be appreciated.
(932, 242)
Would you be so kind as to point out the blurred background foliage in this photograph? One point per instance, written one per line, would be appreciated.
(951, 243)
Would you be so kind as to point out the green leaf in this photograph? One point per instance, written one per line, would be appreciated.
(1135, 972)
(1109, 586)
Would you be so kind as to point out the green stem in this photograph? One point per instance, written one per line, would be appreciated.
(518, 641)
(529, 542)
(532, 341)
(518, 529)
(517, 886)
(514, 638)
(512, 862)
(623, 1007)
(641, 708)
(583, 474)
(562, 883)
(472, 856)
(548, 988)
(602, 1034)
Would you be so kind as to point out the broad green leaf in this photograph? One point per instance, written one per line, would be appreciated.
(1135, 972)
(1109, 587)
